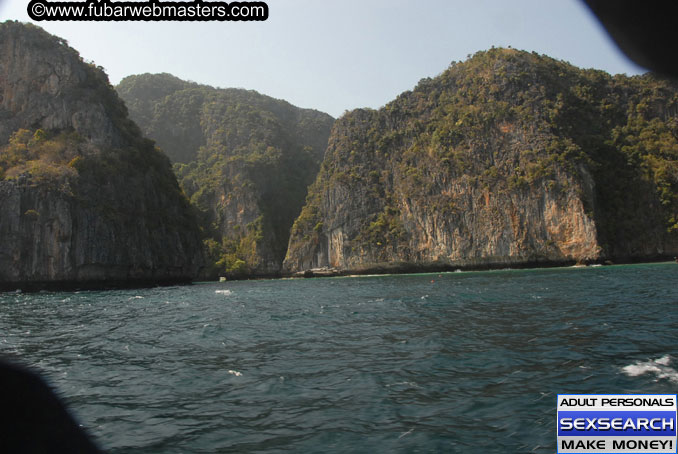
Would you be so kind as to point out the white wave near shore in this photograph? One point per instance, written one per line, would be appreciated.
(660, 367)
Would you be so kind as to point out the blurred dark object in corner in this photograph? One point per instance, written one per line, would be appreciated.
(643, 30)
(32, 418)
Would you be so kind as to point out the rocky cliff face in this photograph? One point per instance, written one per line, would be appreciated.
(84, 198)
(243, 158)
(506, 159)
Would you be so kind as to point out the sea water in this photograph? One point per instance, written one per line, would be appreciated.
(453, 362)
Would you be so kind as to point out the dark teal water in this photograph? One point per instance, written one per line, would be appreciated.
(458, 362)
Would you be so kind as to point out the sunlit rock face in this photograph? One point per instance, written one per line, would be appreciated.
(509, 158)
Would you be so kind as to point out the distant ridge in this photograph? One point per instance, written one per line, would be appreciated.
(244, 159)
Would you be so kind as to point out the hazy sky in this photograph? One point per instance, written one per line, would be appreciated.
(336, 55)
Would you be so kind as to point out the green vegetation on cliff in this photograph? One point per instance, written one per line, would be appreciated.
(463, 151)
(245, 160)
(45, 159)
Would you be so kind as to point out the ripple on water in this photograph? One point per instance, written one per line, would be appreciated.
(470, 362)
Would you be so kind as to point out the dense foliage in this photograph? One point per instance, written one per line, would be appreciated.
(245, 161)
(45, 159)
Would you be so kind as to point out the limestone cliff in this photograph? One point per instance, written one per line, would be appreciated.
(506, 159)
(243, 158)
(84, 198)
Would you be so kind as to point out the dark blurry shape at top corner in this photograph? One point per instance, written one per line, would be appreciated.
(643, 30)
